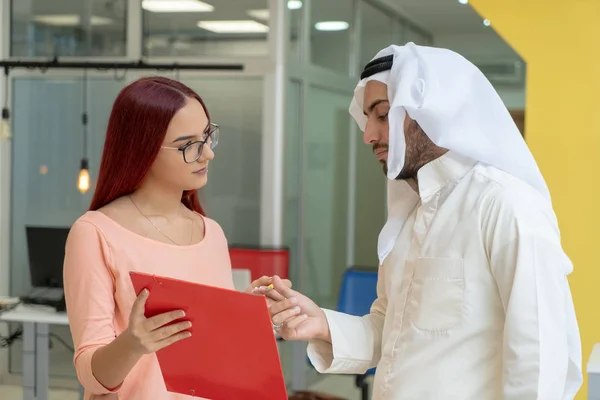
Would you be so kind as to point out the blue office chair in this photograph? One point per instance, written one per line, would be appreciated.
(357, 294)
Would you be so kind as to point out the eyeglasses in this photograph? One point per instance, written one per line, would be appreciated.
(193, 150)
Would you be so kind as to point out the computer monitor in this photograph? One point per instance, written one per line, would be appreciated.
(46, 248)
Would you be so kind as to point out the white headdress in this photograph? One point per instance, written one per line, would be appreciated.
(457, 108)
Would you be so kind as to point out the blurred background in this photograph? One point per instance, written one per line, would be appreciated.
(291, 172)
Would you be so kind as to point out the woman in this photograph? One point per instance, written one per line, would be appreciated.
(145, 216)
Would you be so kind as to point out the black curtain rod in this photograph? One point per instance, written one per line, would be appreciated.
(107, 65)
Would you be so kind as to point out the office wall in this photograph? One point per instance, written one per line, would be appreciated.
(371, 205)
(47, 149)
(317, 187)
(293, 174)
(162, 47)
(513, 97)
(4, 194)
(325, 192)
(563, 128)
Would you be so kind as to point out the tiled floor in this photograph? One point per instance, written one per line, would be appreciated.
(16, 393)
(341, 386)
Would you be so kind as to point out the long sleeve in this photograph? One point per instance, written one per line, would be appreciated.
(541, 349)
(89, 293)
(356, 341)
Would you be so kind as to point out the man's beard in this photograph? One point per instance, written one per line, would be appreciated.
(382, 146)
(418, 152)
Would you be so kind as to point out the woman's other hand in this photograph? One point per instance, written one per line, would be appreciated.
(148, 335)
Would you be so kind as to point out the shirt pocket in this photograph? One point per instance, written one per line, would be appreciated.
(437, 294)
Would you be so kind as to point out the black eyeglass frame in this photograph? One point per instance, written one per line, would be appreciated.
(209, 133)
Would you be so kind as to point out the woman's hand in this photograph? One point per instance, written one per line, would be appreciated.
(261, 287)
(148, 335)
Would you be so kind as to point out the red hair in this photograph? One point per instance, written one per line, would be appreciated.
(137, 126)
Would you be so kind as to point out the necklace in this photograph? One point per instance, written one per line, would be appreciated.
(161, 232)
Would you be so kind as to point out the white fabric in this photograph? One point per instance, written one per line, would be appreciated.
(457, 108)
(473, 302)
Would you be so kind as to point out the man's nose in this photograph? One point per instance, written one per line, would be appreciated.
(370, 134)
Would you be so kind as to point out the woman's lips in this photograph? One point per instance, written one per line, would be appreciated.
(202, 170)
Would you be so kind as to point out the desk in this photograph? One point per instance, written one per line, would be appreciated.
(593, 371)
(36, 321)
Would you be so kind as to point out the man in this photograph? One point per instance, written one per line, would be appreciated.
(473, 299)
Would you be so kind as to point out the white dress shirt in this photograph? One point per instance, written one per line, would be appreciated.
(473, 301)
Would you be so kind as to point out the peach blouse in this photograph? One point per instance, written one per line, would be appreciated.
(100, 253)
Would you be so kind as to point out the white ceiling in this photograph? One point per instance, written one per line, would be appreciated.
(441, 16)
(434, 15)
(452, 24)
(456, 26)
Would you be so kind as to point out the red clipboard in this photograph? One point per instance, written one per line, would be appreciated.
(232, 353)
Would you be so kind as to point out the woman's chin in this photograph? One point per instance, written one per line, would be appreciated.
(198, 182)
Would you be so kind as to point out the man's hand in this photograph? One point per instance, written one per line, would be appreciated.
(295, 316)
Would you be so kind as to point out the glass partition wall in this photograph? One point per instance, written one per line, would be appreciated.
(290, 169)
(48, 140)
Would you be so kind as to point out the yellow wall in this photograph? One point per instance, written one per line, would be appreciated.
(560, 41)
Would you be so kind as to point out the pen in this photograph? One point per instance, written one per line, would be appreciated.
(265, 288)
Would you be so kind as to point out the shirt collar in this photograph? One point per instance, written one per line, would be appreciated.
(438, 173)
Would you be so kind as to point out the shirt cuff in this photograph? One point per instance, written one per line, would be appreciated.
(320, 354)
(340, 357)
